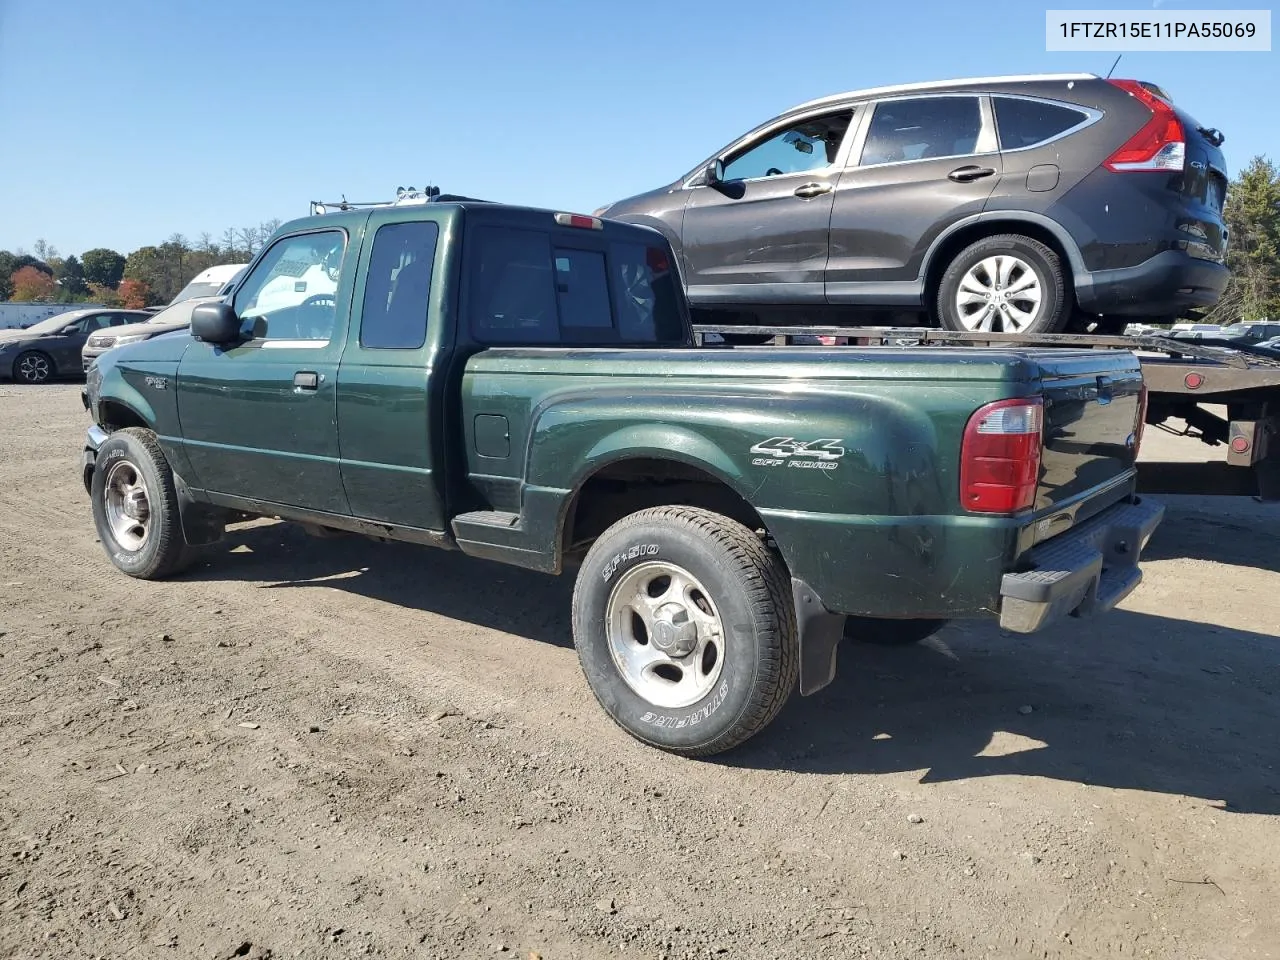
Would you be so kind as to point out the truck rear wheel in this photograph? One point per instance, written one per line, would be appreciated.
(890, 633)
(683, 623)
(135, 506)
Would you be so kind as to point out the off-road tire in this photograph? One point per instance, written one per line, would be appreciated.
(1056, 305)
(890, 633)
(30, 360)
(165, 551)
(750, 588)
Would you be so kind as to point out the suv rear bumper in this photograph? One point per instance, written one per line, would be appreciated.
(1087, 570)
(1166, 285)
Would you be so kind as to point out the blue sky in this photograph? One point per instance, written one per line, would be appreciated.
(125, 122)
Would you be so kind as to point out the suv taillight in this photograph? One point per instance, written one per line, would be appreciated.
(1160, 146)
(1000, 456)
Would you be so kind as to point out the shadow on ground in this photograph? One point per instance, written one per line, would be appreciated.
(1130, 701)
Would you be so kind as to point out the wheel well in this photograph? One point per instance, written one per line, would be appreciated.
(116, 416)
(952, 246)
(623, 488)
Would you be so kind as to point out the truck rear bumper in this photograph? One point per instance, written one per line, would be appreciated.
(1087, 570)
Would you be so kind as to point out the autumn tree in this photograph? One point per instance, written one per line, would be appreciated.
(1252, 213)
(32, 284)
(134, 294)
(103, 266)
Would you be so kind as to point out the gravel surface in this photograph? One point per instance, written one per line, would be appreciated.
(335, 748)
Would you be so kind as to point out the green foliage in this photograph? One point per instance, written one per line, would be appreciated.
(70, 275)
(103, 266)
(1252, 213)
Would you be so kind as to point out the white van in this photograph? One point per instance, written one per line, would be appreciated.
(213, 282)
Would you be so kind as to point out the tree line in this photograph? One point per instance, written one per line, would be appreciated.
(148, 276)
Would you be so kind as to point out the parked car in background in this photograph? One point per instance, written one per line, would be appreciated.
(51, 348)
(1007, 204)
(169, 320)
(210, 283)
(176, 316)
(1255, 332)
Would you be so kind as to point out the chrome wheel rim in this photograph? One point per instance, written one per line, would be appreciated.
(128, 510)
(33, 368)
(665, 634)
(1000, 294)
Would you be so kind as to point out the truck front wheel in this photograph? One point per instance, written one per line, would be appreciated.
(135, 506)
(683, 623)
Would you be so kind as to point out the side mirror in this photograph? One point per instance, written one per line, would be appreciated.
(215, 323)
(715, 172)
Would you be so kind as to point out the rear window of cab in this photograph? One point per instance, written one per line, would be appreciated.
(534, 287)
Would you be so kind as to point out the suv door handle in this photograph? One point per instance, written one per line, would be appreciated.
(306, 380)
(969, 174)
(807, 191)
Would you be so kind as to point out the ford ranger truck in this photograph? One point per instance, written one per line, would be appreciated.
(524, 386)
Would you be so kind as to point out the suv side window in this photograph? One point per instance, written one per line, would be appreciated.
(394, 316)
(922, 129)
(800, 148)
(1026, 123)
(290, 295)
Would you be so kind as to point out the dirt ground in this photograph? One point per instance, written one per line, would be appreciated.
(333, 748)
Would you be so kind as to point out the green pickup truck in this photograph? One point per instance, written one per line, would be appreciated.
(524, 386)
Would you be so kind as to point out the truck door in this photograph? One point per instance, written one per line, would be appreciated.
(259, 419)
(388, 399)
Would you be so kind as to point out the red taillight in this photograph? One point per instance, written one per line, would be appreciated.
(1160, 146)
(1000, 456)
(1142, 420)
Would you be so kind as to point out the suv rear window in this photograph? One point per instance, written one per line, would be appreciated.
(1025, 123)
(530, 287)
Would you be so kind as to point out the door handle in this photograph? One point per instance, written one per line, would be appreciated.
(306, 380)
(807, 191)
(969, 174)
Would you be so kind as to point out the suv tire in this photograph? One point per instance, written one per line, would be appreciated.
(1004, 284)
(684, 627)
(135, 506)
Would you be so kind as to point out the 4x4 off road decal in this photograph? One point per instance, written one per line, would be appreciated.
(802, 454)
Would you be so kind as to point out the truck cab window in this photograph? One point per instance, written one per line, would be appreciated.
(291, 293)
(582, 289)
(513, 295)
(398, 287)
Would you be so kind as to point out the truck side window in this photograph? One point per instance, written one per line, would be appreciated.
(513, 295)
(398, 287)
(291, 293)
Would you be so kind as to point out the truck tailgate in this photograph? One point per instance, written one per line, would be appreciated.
(1092, 411)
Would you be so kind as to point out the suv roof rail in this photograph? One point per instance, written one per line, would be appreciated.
(405, 196)
(936, 84)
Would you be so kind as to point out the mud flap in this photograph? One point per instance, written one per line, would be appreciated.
(202, 523)
(819, 632)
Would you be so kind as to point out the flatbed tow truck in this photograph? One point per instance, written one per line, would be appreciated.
(1225, 397)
